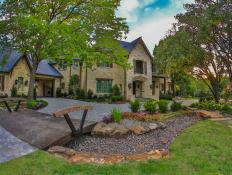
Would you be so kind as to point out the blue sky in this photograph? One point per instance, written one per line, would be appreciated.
(150, 19)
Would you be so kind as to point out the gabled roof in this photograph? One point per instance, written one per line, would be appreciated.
(44, 68)
(129, 46)
(8, 61)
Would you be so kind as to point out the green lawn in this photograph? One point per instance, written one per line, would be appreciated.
(206, 148)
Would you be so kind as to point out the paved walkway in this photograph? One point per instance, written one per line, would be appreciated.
(39, 130)
(11, 147)
(100, 110)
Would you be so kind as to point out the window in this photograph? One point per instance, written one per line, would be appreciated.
(75, 65)
(20, 84)
(106, 65)
(1, 83)
(104, 86)
(140, 67)
(62, 65)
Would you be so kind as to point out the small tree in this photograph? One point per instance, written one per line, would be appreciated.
(73, 84)
(116, 90)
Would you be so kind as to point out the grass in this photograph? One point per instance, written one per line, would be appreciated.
(204, 149)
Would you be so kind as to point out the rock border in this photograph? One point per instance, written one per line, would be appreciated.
(72, 156)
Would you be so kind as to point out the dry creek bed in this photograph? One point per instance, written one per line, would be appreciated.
(133, 144)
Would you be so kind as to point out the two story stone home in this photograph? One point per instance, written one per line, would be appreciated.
(138, 82)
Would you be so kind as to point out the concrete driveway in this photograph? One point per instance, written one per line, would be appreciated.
(11, 147)
(100, 110)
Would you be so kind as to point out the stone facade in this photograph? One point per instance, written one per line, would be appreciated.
(133, 84)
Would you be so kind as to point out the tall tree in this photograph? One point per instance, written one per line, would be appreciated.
(62, 29)
(178, 52)
(209, 22)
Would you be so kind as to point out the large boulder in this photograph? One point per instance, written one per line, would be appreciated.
(103, 129)
(120, 131)
(62, 151)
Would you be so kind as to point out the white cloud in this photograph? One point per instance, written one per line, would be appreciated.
(127, 9)
(157, 24)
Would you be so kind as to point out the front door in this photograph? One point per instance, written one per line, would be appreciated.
(139, 89)
(48, 89)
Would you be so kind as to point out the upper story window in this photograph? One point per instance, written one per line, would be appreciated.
(1, 83)
(140, 67)
(75, 65)
(62, 65)
(106, 65)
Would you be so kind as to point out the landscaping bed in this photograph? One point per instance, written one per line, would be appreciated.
(158, 139)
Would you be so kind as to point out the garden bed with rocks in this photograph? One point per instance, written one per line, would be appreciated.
(158, 138)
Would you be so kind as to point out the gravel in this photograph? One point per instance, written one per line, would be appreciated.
(131, 144)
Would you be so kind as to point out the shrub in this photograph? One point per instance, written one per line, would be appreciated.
(227, 94)
(176, 106)
(206, 98)
(90, 94)
(36, 104)
(116, 98)
(165, 97)
(116, 90)
(58, 92)
(116, 115)
(163, 106)
(14, 91)
(135, 106)
(80, 93)
(107, 120)
(150, 106)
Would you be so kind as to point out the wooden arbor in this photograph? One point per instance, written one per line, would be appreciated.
(65, 113)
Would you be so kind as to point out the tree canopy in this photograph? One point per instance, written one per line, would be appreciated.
(63, 29)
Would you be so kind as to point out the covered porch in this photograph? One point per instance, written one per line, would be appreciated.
(162, 82)
(138, 86)
(45, 86)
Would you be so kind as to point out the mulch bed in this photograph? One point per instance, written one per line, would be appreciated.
(132, 144)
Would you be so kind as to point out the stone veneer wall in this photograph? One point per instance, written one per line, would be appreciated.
(20, 70)
(139, 53)
(116, 74)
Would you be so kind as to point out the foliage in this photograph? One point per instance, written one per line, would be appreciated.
(135, 106)
(59, 92)
(116, 115)
(3, 95)
(163, 106)
(176, 106)
(14, 91)
(208, 105)
(73, 84)
(116, 90)
(227, 94)
(36, 104)
(63, 30)
(107, 119)
(90, 94)
(165, 96)
(80, 94)
(151, 106)
(116, 98)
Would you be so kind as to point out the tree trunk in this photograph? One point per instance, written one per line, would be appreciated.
(31, 94)
(80, 78)
(173, 86)
(216, 91)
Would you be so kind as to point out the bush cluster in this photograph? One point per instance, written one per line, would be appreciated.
(36, 104)
(176, 106)
(151, 106)
(135, 106)
(163, 106)
(211, 105)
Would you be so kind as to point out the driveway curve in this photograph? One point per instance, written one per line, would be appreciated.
(100, 109)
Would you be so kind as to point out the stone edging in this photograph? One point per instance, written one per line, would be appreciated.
(71, 156)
